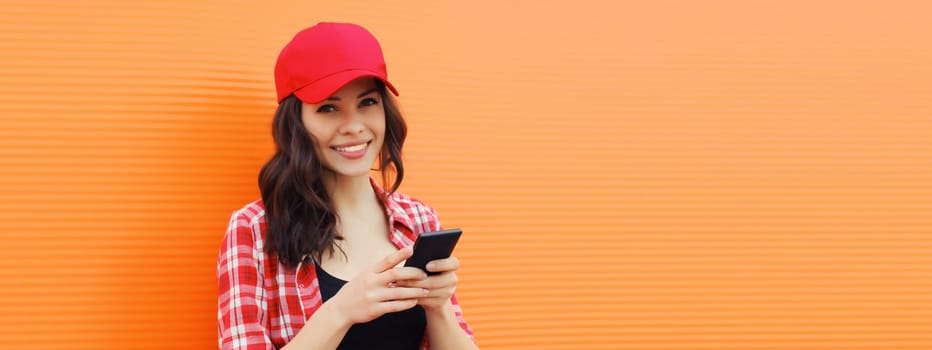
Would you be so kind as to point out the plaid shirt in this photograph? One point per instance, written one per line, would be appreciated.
(263, 304)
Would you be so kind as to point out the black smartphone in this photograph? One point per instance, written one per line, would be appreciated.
(432, 246)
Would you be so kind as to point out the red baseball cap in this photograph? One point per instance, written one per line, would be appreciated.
(321, 59)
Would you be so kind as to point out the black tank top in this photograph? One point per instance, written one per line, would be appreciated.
(396, 331)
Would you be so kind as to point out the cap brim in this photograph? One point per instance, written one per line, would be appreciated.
(320, 90)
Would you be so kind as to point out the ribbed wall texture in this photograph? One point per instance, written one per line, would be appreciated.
(629, 175)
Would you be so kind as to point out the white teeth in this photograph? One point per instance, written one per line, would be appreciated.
(355, 148)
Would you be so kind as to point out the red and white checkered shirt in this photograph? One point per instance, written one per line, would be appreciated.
(263, 304)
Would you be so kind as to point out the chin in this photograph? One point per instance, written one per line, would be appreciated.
(352, 168)
(346, 172)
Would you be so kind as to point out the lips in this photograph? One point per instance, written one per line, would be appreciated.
(352, 150)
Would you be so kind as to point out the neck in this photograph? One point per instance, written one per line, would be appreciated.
(349, 193)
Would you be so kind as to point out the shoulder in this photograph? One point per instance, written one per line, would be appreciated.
(243, 245)
(251, 212)
(247, 224)
(415, 214)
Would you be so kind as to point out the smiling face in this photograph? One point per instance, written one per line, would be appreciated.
(348, 128)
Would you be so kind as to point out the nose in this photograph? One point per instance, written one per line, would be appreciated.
(352, 124)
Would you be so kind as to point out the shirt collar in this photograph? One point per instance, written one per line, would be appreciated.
(396, 213)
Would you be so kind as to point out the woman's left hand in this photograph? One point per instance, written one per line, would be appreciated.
(440, 286)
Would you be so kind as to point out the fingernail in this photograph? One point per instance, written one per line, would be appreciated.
(431, 266)
(425, 291)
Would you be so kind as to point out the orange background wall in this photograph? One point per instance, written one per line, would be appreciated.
(630, 175)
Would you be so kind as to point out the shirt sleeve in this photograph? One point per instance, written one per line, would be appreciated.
(242, 306)
(459, 317)
(435, 225)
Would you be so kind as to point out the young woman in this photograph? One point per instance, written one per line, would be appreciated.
(316, 263)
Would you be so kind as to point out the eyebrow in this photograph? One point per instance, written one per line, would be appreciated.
(334, 98)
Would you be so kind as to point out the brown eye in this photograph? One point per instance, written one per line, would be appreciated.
(326, 109)
(368, 102)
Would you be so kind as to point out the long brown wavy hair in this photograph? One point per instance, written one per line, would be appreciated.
(299, 215)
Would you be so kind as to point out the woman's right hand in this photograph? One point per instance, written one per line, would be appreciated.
(373, 292)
